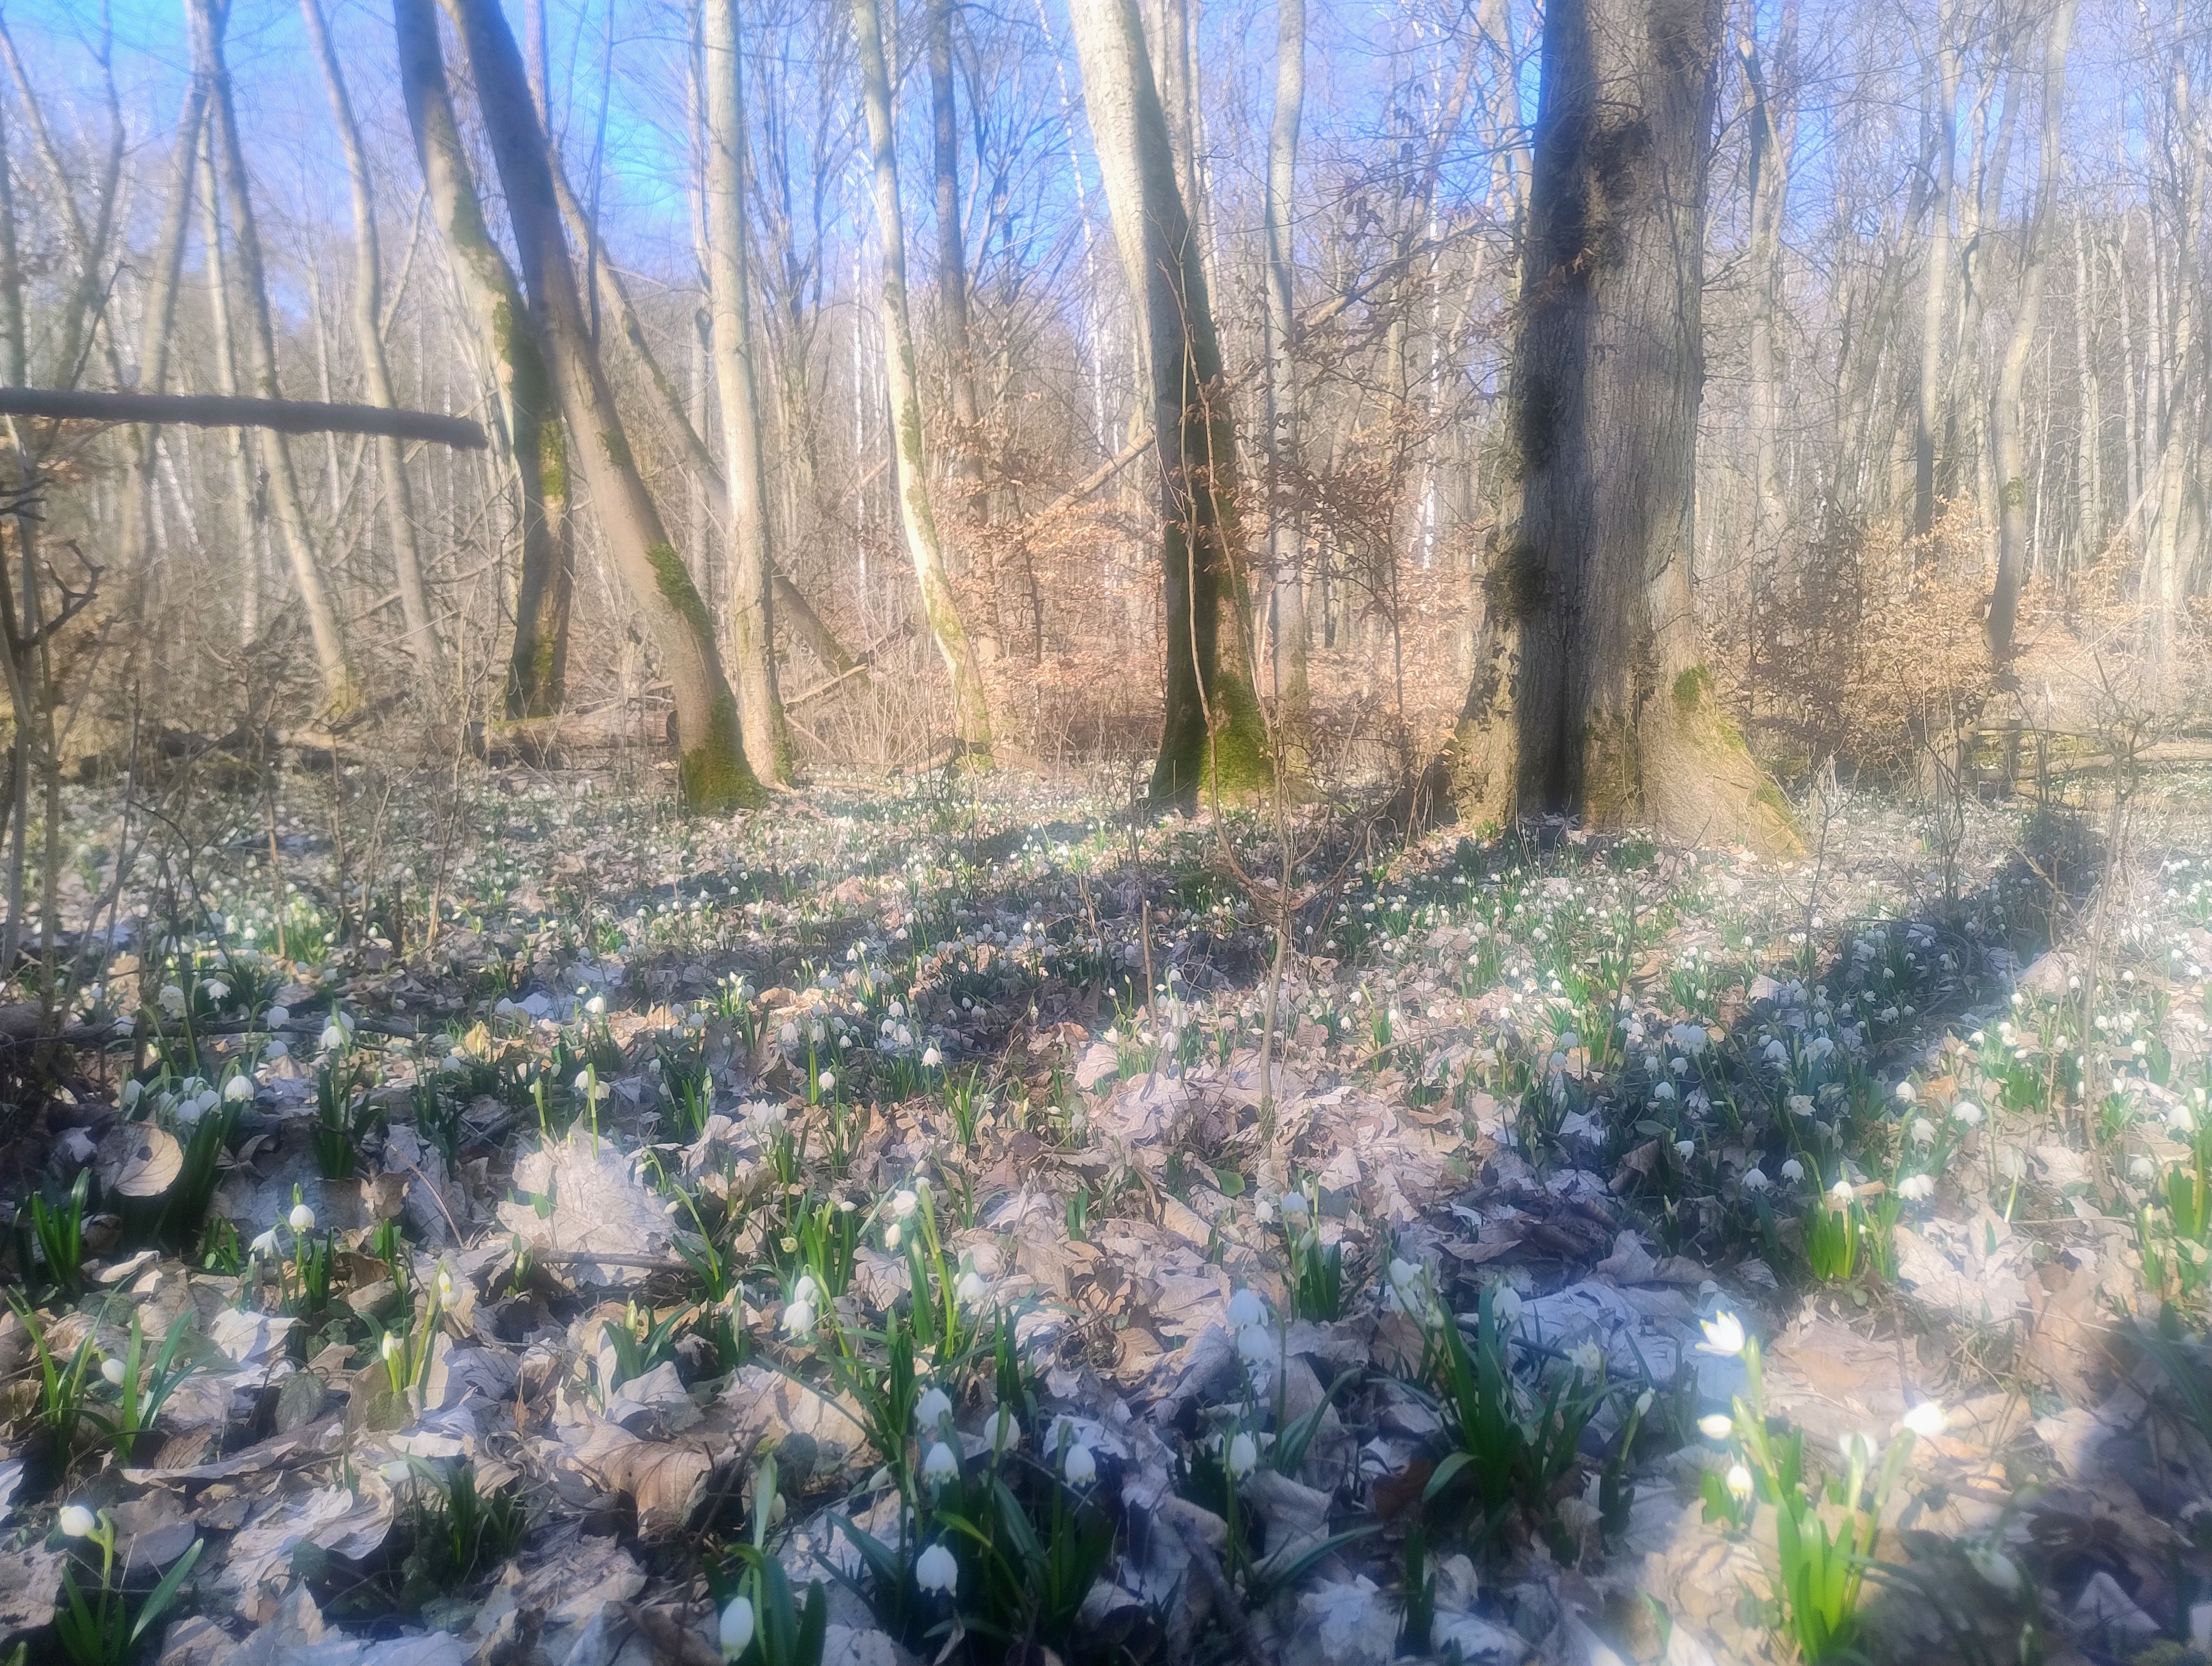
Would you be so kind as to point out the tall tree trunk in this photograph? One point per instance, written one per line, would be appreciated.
(1773, 128)
(376, 369)
(1930, 413)
(2089, 450)
(157, 325)
(1212, 736)
(537, 663)
(909, 460)
(246, 500)
(2168, 420)
(711, 769)
(1590, 697)
(339, 693)
(967, 469)
(2005, 415)
(752, 615)
(1286, 529)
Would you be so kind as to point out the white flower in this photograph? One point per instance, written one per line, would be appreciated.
(1716, 1425)
(932, 1408)
(1243, 1454)
(389, 1348)
(798, 1319)
(1407, 1279)
(1857, 1448)
(940, 1466)
(1923, 1131)
(1792, 1170)
(892, 1236)
(1966, 1114)
(445, 1286)
(1841, 1194)
(1905, 1094)
(2001, 1572)
(1755, 1180)
(931, 1058)
(1587, 1356)
(1002, 1429)
(277, 1018)
(334, 1037)
(1685, 1149)
(1928, 1419)
(1801, 1105)
(132, 1092)
(1245, 1308)
(935, 1570)
(217, 990)
(1723, 1336)
(1916, 1187)
(1663, 1091)
(1263, 1210)
(1739, 1483)
(397, 1472)
(2143, 1169)
(1294, 1204)
(172, 1003)
(805, 1290)
(737, 1628)
(266, 1244)
(829, 1080)
(1080, 1467)
(1256, 1343)
(112, 1369)
(77, 1522)
(302, 1218)
(903, 1204)
(1507, 1306)
(238, 1088)
(597, 1006)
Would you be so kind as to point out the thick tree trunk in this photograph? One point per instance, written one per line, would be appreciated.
(1929, 412)
(339, 692)
(376, 369)
(909, 460)
(1590, 698)
(1286, 540)
(536, 677)
(1212, 737)
(966, 463)
(712, 769)
(752, 616)
(245, 500)
(2005, 416)
(1773, 127)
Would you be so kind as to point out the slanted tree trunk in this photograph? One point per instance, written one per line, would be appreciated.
(1929, 412)
(1772, 128)
(537, 666)
(712, 770)
(1285, 540)
(1212, 736)
(967, 465)
(1589, 698)
(339, 693)
(752, 613)
(2005, 416)
(971, 717)
(376, 369)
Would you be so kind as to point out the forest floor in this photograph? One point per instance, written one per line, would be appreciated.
(1641, 1254)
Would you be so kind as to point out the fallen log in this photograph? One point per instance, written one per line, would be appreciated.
(222, 411)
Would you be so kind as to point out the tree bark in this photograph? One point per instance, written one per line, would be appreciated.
(537, 665)
(340, 694)
(1286, 529)
(2005, 416)
(909, 460)
(376, 369)
(1773, 127)
(245, 500)
(1929, 413)
(1213, 737)
(1590, 697)
(712, 771)
(223, 410)
(966, 463)
(752, 615)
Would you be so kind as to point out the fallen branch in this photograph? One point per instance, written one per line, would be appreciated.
(220, 411)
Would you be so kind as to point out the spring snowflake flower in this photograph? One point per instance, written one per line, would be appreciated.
(903, 1204)
(112, 1369)
(77, 1522)
(1792, 1170)
(1294, 1206)
(940, 1466)
(1999, 1570)
(1716, 1426)
(1724, 1335)
(302, 1218)
(1916, 1187)
(737, 1628)
(334, 1037)
(238, 1089)
(266, 1244)
(1928, 1419)
(932, 1408)
(389, 1348)
(1755, 1180)
(277, 1018)
(931, 1058)
(1739, 1483)
(1923, 1131)
(973, 1289)
(1506, 1304)
(1966, 1114)
(829, 1080)
(1256, 1344)
(799, 1320)
(173, 1001)
(1243, 1454)
(1841, 1194)
(1002, 1429)
(1245, 1308)
(1906, 1093)
(1587, 1356)
(1080, 1468)
(935, 1571)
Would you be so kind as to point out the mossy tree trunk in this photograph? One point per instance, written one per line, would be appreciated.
(971, 717)
(537, 665)
(368, 337)
(1208, 694)
(1589, 698)
(339, 693)
(752, 613)
(712, 770)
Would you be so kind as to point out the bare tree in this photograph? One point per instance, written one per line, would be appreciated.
(1592, 696)
(712, 769)
(1212, 737)
(971, 717)
(1279, 395)
(752, 598)
(369, 338)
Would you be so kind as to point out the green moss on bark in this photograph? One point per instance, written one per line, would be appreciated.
(673, 580)
(714, 777)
